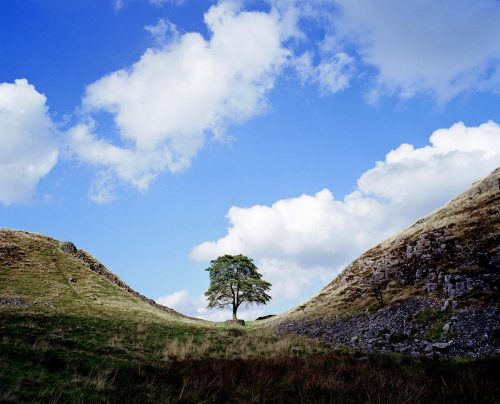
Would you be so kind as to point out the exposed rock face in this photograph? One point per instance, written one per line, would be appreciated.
(68, 247)
(11, 254)
(448, 261)
(12, 301)
(439, 262)
(415, 327)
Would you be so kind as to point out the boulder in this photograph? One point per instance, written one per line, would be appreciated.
(441, 346)
(235, 322)
(68, 247)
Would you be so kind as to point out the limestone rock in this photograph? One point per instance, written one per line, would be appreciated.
(68, 247)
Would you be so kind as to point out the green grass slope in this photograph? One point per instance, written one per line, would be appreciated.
(40, 274)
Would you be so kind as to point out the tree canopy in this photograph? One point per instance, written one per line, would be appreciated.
(234, 280)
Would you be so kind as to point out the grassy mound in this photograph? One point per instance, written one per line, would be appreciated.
(40, 274)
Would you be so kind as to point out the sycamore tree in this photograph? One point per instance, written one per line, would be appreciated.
(234, 279)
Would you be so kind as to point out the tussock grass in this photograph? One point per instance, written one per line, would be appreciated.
(231, 344)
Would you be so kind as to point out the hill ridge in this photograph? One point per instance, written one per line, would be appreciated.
(440, 229)
(447, 264)
(102, 270)
(11, 254)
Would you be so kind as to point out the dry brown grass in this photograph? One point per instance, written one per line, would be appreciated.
(102, 379)
(41, 344)
(471, 218)
(189, 349)
(235, 343)
(219, 364)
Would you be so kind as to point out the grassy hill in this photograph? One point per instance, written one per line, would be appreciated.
(72, 331)
(460, 239)
(40, 274)
(437, 282)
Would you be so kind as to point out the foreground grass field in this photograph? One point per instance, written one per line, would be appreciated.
(72, 331)
(54, 358)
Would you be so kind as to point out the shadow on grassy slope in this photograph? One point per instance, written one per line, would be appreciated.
(87, 359)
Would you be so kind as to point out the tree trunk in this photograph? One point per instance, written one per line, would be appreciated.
(234, 312)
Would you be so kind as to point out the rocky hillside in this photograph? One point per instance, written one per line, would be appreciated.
(431, 289)
(38, 273)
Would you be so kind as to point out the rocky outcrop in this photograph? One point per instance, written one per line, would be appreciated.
(416, 327)
(447, 262)
(12, 301)
(11, 254)
(438, 261)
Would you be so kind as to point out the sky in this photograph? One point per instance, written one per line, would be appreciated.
(161, 134)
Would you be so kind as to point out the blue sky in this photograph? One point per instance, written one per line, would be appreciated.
(158, 134)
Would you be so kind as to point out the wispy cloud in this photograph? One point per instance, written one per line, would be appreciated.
(441, 48)
(163, 31)
(119, 4)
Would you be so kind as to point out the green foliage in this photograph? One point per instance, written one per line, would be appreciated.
(427, 316)
(435, 333)
(434, 318)
(234, 280)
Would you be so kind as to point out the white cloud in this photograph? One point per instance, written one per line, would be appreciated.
(163, 31)
(196, 306)
(28, 147)
(332, 73)
(174, 300)
(298, 241)
(455, 158)
(102, 189)
(445, 47)
(297, 280)
(137, 168)
(166, 103)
